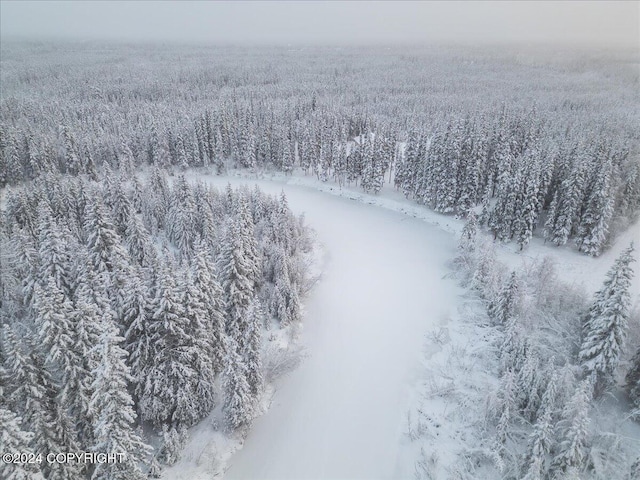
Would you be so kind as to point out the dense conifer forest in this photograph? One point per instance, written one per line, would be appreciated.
(126, 301)
(544, 145)
(136, 299)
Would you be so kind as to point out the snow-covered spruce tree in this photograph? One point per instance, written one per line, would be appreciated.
(633, 381)
(138, 241)
(112, 410)
(283, 228)
(136, 319)
(507, 304)
(166, 394)
(72, 163)
(54, 255)
(236, 274)
(253, 348)
(284, 304)
(32, 393)
(249, 246)
(573, 431)
(529, 207)
(202, 346)
(105, 249)
(514, 347)
(484, 279)
(87, 317)
(52, 316)
(407, 169)
(180, 217)
(67, 334)
(467, 245)
(126, 160)
(501, 216)
(173, 441)
(531, 380)
(204, 220)
(14, 439)
(569, 201)
(594, 224)
(238, 403)
(542, 439)
(157, 193)
(469, 232)
(203, 277)
(25, 267)
(121, 207)
(507, 406)
(552, 217)
(605, 325)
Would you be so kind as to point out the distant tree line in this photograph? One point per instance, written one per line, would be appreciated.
(550, 160)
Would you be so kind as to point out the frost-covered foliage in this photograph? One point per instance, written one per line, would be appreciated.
(605, 327)
(114, 312)
(544, 415)
(633, 382)
(555, 158)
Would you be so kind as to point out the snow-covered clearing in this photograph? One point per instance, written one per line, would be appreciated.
(343, 412)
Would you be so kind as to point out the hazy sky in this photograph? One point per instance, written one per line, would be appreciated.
(332, 22)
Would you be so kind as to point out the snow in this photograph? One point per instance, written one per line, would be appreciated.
(342, 413)
(575, 268)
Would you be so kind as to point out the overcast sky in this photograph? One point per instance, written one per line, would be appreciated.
(331, 22)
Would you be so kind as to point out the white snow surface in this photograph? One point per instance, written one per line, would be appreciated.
(385, 284)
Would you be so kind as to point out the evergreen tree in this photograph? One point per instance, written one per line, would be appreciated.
(105, 250)
(606, 323)
(173, 441)
(573, 430)
(594, 226)
(139, 333)
(528, 206)
(181, 217)
(249, 245)
(14, 439)
(201, 348)
(568, 208)
(541, 439)
(530, 379)
(469, 232)
(549, 224)
(33, 389)
(236, 274)
(507, 408)
(73, 164)
(212, 297)
(165, 370)
(87, 319)
(138, 241)
(53, 250)
(507, 303)
(484, 276)
(238, 405)
(122, 209)
(633, 381)
(285, 304)
(114, 417)
(52, 312)
(252, 354)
